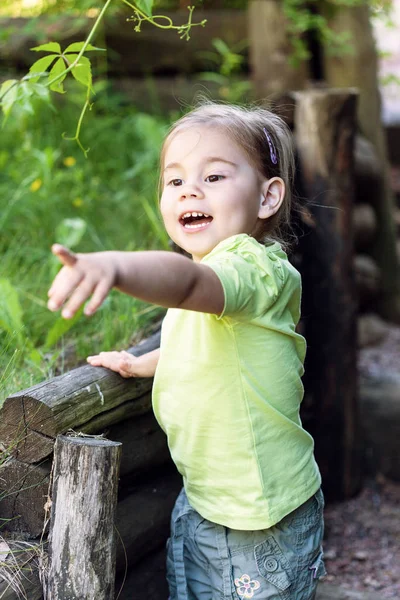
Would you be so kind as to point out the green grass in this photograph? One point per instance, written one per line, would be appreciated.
(50, 192)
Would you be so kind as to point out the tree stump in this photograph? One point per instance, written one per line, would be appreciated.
(82, 534)
(325, 123)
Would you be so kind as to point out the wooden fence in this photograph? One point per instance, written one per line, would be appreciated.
(95, 401)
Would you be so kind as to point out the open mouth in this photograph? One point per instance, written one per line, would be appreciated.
(195, 220)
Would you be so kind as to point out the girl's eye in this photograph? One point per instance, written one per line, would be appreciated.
(175, 182)
(214, 178)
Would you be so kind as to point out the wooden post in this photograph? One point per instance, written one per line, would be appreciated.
(270, 51)
(82, 534)
(325, 124)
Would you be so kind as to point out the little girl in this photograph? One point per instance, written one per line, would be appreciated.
(227, 388)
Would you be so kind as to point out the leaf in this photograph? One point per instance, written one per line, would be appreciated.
(82, 72)
(8, 94)
(41, 91)
(49, 47)
(10, 309)
(221, 46)
(211, 76)
(58, 68)
(35, 356)
(41, 65)
(77, 47)
(60, 328)
(70, 231)
(146, 6)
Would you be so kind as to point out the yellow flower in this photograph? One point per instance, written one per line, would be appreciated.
(36, 185)
(77, 202)
(69, 161)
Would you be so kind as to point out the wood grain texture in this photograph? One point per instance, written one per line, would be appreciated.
(325, 125)
(82, 534)
(30, 420)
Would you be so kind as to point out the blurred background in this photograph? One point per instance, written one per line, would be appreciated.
(92, 185)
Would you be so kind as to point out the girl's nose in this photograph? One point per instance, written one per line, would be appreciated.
(191, 191)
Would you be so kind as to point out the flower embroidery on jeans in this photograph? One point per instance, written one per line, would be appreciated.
(246, 586)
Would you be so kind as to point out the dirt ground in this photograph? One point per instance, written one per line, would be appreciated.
(362, 545)
(362, 540)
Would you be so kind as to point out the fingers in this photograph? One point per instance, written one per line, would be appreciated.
(66, 256)
(82, 276)
(99, 295)
(120, 362)
(64, 283)
(78, 297)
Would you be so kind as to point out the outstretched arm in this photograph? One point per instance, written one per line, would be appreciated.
(164, 278)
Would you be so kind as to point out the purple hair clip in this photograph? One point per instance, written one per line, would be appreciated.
(272, 151)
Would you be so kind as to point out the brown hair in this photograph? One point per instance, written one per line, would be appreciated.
(249, 127)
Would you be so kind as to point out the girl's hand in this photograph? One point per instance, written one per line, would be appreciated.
(82, 276)
(126, 364)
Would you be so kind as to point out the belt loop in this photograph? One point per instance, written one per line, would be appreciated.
(223, 553)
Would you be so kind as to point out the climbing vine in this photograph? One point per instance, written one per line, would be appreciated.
(48, 73)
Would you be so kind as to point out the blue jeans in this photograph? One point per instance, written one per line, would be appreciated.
(206, 561)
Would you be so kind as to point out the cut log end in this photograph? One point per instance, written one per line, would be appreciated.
(27, 428)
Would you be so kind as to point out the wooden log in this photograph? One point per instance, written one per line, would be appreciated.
(82, 534)
(368, 278)
(23, 494)
(270, 51)
(24, 487)
(144, 444)
(143, 516)
(324, 130)
(359, 68)
(30, 420)
(19, 571)
(367, 164)
(365, 225)
(371, 330)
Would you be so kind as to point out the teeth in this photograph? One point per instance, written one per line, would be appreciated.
(194, 214)
(195, 226)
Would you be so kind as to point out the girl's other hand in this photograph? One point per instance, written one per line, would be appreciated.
(127, 365)
(82, 276)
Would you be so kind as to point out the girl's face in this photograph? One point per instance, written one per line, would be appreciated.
(210, 191)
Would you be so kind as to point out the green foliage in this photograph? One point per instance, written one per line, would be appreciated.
(51, 192)
(73, 60)
(305, 16)
(227, 62)
(10, 310)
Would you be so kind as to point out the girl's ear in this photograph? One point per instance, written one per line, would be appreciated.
(272, 195)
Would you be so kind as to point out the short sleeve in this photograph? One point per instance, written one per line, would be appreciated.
(251, 275)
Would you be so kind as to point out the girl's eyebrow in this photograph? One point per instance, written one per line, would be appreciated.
(207, 161)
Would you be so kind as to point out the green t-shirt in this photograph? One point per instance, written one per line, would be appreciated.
(228, 388)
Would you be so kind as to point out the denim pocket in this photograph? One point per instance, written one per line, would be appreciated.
(272, 564)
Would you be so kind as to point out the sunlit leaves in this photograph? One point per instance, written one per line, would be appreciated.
(145, 5)
(82, 72)
(10, 310)
(58, 74)
(8, 95)
(49, 47)
(63, 62)
(77, 47)
(71, 231)
(40, 66)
